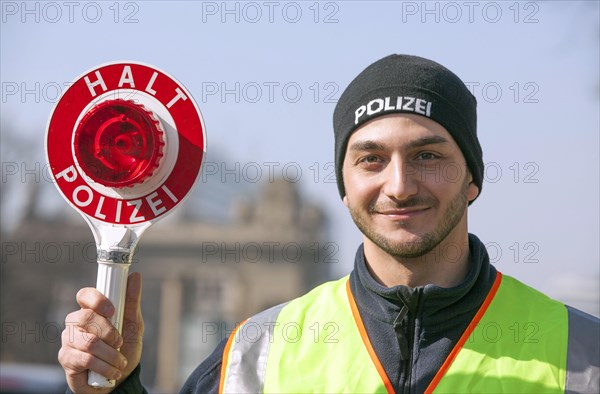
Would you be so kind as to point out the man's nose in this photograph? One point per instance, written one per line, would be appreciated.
(400, 180)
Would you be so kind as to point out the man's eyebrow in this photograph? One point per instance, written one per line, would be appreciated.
(366, 145)
(374, 145)
(436, 139)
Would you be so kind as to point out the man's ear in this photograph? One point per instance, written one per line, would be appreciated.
(345, 200)
(473, 191)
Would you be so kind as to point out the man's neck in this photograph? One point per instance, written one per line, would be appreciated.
(445, 266)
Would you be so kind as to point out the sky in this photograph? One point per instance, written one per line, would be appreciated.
(266, 76)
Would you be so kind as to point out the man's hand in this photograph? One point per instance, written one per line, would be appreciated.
(90, 342)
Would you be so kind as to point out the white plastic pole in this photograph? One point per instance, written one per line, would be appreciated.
(112, 282)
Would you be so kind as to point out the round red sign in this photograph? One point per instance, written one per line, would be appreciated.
(125, 143)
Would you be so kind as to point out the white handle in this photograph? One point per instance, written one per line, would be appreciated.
(112, 282)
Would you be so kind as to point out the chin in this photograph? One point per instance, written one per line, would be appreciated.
(405, 246)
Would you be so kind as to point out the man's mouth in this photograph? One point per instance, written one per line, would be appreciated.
(402, 213)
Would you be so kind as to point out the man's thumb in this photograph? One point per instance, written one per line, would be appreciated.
(133, 295)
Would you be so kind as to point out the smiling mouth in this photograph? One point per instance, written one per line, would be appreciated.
(403, 213)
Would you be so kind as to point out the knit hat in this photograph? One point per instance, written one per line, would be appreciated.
(409, 84)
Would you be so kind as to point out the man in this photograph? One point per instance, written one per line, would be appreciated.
(415, 313)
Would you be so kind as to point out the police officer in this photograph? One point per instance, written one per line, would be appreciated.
(423, 309)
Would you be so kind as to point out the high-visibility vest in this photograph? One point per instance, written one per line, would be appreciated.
(517, 342)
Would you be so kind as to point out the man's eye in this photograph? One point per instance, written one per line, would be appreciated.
(371, 159)
(427, 156)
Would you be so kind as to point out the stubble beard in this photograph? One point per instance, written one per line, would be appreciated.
(427, 242)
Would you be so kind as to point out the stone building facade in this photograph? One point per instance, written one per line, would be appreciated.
(200, 277)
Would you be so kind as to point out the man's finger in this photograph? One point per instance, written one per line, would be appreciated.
(86, 322)
(89, 343)
(90, 298)
(75, 361)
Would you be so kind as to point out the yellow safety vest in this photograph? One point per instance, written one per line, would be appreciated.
(517, 342)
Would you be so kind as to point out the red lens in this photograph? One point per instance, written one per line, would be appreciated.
(118, 143)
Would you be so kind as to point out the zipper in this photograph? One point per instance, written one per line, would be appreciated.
(409, 362)
(406, 341)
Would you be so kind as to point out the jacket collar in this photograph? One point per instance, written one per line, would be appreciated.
(431, 303)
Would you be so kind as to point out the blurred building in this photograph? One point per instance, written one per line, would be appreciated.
(204, 278)
(202, 275)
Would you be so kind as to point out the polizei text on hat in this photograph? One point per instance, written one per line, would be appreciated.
(408, 104)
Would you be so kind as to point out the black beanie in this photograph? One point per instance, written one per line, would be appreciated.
(409, 84)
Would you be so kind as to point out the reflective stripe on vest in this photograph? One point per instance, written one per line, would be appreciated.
(311, 344)
(517, 342)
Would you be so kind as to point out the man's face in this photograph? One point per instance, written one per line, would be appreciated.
(407, 184)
